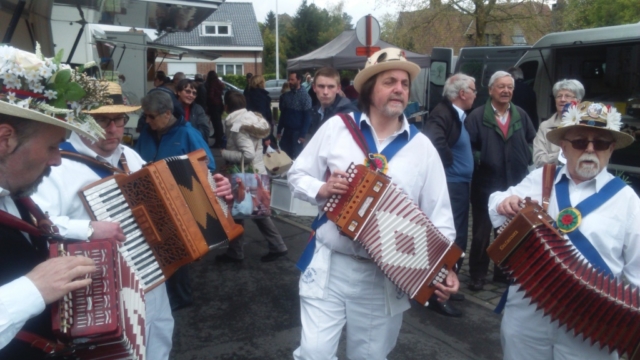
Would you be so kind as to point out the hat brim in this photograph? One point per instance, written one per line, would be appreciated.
(366, 73)
(622, 139)
(28, 114)
(114, 109)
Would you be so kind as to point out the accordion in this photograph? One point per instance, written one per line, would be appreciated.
(106, 319)
(565, 286)
(397, 235)
(168, 212)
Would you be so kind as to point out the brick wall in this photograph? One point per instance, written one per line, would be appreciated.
(249, 67)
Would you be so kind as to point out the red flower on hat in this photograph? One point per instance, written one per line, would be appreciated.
(567, 219)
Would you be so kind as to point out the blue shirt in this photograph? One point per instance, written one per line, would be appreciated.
(461, 169)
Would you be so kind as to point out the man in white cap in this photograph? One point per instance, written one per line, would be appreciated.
(29, 141)
(58, 195)
(341, 284)
(610, 227)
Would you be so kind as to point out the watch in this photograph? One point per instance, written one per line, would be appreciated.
(89, 232)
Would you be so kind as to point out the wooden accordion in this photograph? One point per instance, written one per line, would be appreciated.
(565, 286)
(168, 211)
(398, 236)
(106, 319)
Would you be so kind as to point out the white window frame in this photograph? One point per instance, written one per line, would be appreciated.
(217, 25)
(224, 68)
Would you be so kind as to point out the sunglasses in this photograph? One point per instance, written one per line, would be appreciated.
(105, 122)
(582, 144)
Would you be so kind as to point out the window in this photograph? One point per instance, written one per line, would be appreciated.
(230, 69)
(216, 29)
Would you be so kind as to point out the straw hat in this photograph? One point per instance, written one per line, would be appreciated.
(592, 115)
(114, 92)
(39, 89)
(383, 60)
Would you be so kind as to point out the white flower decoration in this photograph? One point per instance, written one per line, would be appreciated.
(571, 116)
(11, 96)
(51, 94)
(614, 119)
(71, 117)
(24, 103)
(36, 87)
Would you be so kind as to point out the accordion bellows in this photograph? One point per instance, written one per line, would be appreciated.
(168, 212)
(556, 277)
(397, 235)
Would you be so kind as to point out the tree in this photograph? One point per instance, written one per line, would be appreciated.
(270, 21)
(584, 14)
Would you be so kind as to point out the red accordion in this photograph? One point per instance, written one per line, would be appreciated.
(398, 236)
(106, 319)
(565, 286)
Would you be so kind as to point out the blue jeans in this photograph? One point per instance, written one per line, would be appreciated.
(459, 197)
(289, 142)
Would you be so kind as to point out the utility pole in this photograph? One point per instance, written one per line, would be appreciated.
(277, 45)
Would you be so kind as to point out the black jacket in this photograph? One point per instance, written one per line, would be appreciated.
(525, 97)
(17, 257)
(443, 127)
(503, 162)
(340, 105)
(258, 100)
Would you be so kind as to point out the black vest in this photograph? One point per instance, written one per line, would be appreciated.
(17, 258)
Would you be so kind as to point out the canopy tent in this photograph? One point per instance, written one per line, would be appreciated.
(340, 53)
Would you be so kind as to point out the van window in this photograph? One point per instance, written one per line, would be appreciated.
(529, 70)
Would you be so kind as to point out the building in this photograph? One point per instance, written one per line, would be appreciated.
(232, 31)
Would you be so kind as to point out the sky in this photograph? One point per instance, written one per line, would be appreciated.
(355, 8)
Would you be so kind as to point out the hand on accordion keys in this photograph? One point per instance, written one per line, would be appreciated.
(448, 287)
(510, 206)
(336, 184)
(107, 230)
(58, 276)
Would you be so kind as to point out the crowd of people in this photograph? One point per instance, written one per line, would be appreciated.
(466, 160)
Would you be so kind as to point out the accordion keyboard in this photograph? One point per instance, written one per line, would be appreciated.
(108, 204)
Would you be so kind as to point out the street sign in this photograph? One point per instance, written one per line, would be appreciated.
(368, 30)
(366, 50)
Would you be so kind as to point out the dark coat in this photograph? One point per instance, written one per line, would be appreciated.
(340, 105)
(199, 120)
(17, 257)
(525, 97)
(500, 162)
(443, 127)
(258, 100)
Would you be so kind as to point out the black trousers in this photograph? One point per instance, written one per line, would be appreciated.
(179, 288)
(459, 197)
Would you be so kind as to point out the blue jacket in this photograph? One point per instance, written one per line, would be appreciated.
(295, 112)
(181, 139)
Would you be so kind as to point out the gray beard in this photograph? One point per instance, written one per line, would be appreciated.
(30, 189)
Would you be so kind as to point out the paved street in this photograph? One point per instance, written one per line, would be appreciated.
(251, 311)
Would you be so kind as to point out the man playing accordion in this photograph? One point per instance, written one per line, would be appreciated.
(609, 226)
(340, 283)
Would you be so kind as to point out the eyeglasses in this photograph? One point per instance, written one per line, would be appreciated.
(565, 96)
(152, 116)
(190, 92)
(582, 144)
(105, 122)
(473, 90)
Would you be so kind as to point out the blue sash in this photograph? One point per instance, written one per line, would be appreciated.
(585, 207)
(102, 172)
(389, 151)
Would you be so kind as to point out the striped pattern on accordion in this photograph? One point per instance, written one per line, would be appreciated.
(168, 212)
(106, 319)
(561, 282)
(397, 235)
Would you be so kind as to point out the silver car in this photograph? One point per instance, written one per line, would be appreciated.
(274, 87)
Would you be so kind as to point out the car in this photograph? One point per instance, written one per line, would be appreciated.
(274, 87)
(229, 86)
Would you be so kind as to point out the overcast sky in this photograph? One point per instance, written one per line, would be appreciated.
(355, 8)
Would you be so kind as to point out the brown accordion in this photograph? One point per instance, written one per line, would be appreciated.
(168, 211)
(398, 236)
(565, 286)
(106, 319)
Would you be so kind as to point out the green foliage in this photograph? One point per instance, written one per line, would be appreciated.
(66, 90)
(269, 76)
(270, 21)
(269, 51)
(237, 80)
(584, 14)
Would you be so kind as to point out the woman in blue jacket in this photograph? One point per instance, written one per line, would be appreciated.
(161, 137)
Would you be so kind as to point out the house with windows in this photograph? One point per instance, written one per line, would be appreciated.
(232, 32)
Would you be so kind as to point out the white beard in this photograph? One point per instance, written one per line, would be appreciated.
(588, 170)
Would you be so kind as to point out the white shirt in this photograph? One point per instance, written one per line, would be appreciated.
(20, 300)
(58, 193)
(416, 169)
(461, 114)
(613, 228)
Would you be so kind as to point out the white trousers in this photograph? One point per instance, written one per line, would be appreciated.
(158, 323)
(355, 296)
(526, 334)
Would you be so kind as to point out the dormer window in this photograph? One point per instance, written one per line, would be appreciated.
(216, 29)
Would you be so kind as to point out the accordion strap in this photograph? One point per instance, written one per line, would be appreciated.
(36, 341)
(548, 175)
(355, 131)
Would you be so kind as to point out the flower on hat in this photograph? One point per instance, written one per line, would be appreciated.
(572, 116)
(614, 119)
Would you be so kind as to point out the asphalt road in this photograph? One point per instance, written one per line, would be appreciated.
(251, 311)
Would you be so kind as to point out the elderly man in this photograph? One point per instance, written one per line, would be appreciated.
(445, 128)
(326, 85)
(501, 134)
(341, 284)
(295, 117)
(58, 195)
(608, 235)
(29, 142)
(565, 92)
